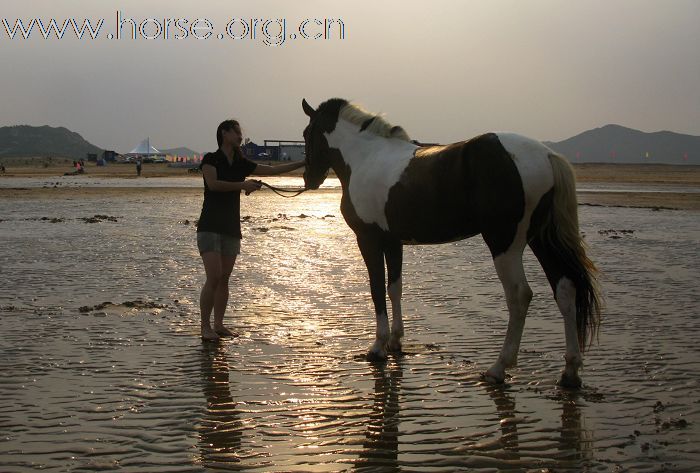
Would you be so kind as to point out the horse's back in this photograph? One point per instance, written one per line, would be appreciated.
(489, 167)
(465, 188)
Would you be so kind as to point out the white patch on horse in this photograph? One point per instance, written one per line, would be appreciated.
(565, 295)
(509, 267)
(378, 348)
(376, 164)
(532, 160)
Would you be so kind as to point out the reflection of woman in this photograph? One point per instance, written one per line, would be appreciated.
(219, 227)
(221, 429)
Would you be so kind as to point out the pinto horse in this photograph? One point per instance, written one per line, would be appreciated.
(512, 190)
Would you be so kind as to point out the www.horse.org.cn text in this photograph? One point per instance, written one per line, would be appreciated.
(268, 31)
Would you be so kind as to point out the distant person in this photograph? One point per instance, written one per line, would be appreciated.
(138, 167)
(2, 168)
(219, 228)
(77, 169)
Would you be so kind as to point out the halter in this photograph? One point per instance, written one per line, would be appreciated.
(311, 128)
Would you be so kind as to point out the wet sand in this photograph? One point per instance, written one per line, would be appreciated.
(103, 368)
(672, 180)
(127, 171)
(659, 201)
(586, 172)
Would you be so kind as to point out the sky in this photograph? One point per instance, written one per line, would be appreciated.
(445, 70)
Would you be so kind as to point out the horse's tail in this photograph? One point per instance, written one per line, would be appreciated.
(562, 236)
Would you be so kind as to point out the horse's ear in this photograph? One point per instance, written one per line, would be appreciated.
(397, 132)
(307, 108)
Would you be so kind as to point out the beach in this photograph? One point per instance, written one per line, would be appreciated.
(641, 185)
(103, 368)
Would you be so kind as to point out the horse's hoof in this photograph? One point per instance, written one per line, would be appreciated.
(376, 356)
(394, 346)
(570, 381)
(491, 378)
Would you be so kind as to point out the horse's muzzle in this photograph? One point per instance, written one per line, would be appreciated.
(313, 183)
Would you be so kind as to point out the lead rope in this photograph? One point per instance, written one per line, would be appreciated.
(279, 191)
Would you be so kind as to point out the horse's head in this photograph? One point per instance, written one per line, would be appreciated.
(318, 153)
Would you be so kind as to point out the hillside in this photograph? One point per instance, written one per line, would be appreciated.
(608, 144)
(46, 141)
(617, 144)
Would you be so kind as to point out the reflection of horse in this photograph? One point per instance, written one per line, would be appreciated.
(512, 190)
(506, 409)
(381, 447)
(575, 442)
(221, 430)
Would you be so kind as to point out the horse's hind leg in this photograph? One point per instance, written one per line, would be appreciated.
(393, 252)
(509, 267)
(373, 254)
(565, 296)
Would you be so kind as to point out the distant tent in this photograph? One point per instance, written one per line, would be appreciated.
(145, 149)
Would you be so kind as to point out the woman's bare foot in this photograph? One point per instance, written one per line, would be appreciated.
(222, 331)
(209, 335)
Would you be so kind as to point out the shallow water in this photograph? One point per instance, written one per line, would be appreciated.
(291, 182)
(129, 385)
(189, 181)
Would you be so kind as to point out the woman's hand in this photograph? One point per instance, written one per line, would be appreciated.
(250, 186)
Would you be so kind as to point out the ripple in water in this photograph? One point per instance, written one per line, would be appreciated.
(128, 385)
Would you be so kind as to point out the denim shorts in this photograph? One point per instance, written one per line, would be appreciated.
(218, 243)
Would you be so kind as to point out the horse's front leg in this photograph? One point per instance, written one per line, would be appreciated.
(373, 254)
(393, 253)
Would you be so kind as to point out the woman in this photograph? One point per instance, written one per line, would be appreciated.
(219, 227)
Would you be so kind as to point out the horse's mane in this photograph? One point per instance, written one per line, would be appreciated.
(371, 122)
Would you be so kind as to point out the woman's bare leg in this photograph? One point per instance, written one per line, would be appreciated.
(221, 296)
(207, 299)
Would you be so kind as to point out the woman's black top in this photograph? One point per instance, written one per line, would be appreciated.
(221, 211)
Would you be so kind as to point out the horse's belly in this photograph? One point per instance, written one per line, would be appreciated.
(432, 229)
(433, 241)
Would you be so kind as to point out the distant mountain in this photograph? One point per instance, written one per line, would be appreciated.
(617, 144)
(29, 141)
(180, 152)
(608, 144)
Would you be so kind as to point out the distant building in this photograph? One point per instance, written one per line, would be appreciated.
(252, 151)
(286, 150)
(275, 150)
